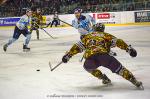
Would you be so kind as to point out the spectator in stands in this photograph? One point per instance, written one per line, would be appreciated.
(68, 5)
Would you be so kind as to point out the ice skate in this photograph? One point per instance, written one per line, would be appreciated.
(25, 48)
(38, 38)
(106, 80)
(139, 85)
(5, 47)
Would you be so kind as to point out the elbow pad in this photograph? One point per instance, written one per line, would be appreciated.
(76, 48)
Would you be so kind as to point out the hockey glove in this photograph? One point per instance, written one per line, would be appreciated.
(131, 51)
(66, 58)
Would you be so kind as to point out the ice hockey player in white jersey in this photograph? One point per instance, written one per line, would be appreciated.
(83, 23)
(21, 28)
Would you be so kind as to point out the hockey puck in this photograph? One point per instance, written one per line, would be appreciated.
(38, 70)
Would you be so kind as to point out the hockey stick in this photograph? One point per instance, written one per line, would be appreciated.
(47, 25)
(52, 68)
(80, 60)
(65, 22)
(45, 31)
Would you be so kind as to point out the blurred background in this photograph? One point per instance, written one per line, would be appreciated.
(9, 8)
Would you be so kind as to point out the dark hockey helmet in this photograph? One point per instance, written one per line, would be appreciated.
(99, 27)
(28, 10)
(78, 10)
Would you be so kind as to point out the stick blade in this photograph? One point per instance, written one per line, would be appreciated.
(50, 66)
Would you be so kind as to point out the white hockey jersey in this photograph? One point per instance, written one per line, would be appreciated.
(23, 22)
(84, 24)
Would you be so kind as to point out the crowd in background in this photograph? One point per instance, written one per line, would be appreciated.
(17, 7)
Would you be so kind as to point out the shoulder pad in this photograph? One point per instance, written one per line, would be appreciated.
(82, 17)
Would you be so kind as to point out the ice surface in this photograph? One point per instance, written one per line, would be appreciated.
(20, 80)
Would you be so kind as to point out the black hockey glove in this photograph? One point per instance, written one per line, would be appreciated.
(66, 58)
(131, 51)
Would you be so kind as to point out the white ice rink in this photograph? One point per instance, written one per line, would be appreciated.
(20, 80)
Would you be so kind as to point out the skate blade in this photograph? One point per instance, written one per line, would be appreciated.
(26, 50)
(109, 84)
(140, 87)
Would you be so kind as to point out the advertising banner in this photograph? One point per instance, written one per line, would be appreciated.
(142, 16)
(8, 21)
(11, 21)
(107, 18)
